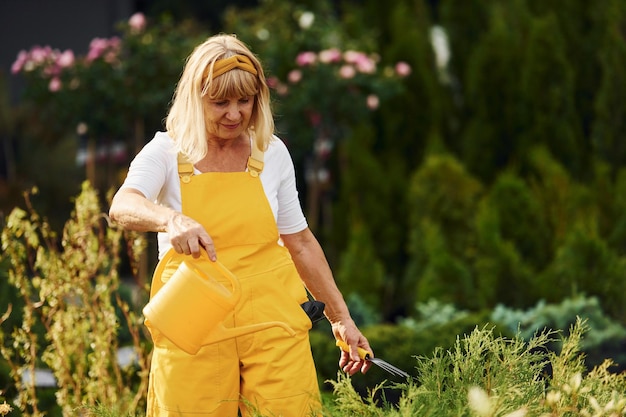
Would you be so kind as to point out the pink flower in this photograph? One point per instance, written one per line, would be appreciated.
(38, 54)
(328, 56)
(372, 102)
(366, 65)
(97, 46)
(352, 57)
(294, 76)
(403, 69)
(306, 58)
(137, 22)
(363, 63)
(55, 84)
(102, 47)
(282, 89)
(52, 70)
(347, 72)
(66, 59)
(115, 43)
(272, 82)
(20, 61)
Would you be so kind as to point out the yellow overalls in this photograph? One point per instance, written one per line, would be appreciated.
(269, 371)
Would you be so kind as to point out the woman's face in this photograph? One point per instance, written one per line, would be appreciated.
(228, 118)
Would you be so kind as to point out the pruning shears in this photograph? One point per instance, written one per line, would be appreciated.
(365, 355)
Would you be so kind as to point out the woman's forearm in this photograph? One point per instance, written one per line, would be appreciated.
(133, 211)
(316, 274)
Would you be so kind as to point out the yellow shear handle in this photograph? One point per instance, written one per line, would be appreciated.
(363, 354)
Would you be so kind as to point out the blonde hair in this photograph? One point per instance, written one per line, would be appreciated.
(185, 121)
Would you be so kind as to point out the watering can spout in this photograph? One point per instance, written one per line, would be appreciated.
(221, 333)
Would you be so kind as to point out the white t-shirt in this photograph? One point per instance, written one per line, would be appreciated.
(154, 173)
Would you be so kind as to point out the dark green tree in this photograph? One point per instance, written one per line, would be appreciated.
(465, 23)
(514, 242)
(371, 203)
(377, 160)
(502, 275)
(547, 97)
(490, 137)
(582, 25)
(613, 216)
(443, 199)
(585, 265)
(521, 219)
(361, 272)
(610, 109)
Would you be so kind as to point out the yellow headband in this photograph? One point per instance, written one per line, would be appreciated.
(236, 61)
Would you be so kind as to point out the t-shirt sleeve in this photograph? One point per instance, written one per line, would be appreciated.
(290, 218)
(149, 169)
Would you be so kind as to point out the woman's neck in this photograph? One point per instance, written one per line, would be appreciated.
(229, 155)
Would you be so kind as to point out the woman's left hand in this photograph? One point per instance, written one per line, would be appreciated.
(350, 362)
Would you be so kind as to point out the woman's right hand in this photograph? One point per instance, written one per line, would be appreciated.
(132, 210)
(189, 237)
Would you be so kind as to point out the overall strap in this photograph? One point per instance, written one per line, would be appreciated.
(255, 160)
(255, 164)
(185, 168)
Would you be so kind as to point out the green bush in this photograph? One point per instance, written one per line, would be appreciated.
(68, 282)
(605, 338)
(520, 218)
(585, 264)
(443, 199)
(398, 344)
(485, 375)
(361, 274)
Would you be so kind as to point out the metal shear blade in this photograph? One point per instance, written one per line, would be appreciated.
(388, 367)
(364, 354)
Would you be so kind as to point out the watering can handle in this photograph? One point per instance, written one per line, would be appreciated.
(171, 253)
(225, 272)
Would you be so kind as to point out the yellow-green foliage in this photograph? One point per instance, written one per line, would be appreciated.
(68, 285)
(488, 376)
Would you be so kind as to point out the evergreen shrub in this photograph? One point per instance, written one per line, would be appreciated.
(605, 338)
(400, 343)
(484, 375)
(442, 201)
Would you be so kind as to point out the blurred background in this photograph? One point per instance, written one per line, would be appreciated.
(461, 161)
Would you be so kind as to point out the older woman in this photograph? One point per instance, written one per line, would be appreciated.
(220, 181)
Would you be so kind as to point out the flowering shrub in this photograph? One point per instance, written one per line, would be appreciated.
(333, 90)
(324, 97)
(327, 94)
(119, 81)
(50, 62)
(326, 80)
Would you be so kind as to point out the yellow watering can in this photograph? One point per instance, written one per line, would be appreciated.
(192, 304)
